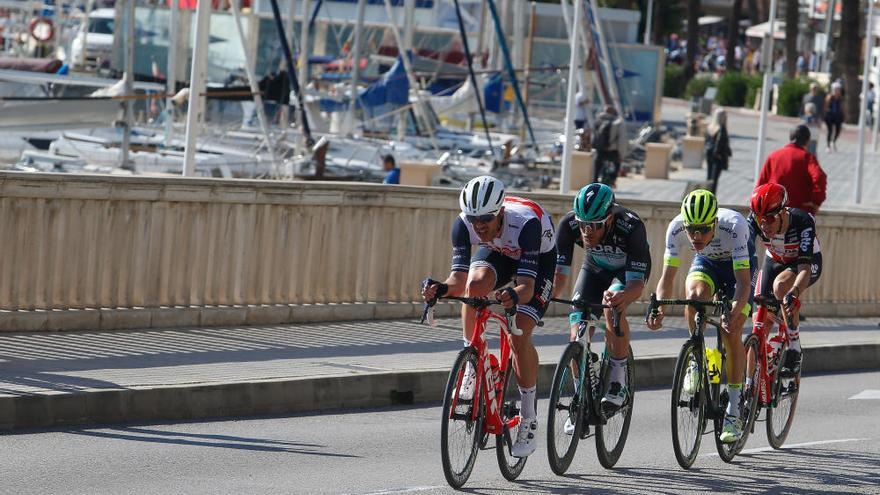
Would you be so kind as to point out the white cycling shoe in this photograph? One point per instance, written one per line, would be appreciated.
(526, 441)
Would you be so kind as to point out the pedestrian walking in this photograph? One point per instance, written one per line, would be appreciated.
(834, 115)
(718, 151)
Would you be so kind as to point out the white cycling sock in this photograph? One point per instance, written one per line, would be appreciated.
(618, 370)
(733, 391)
(527, 402)
(794, 339)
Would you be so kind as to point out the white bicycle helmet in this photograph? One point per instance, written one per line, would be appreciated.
(482, 196)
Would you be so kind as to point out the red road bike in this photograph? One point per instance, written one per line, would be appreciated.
(491, 408)
(775, 386)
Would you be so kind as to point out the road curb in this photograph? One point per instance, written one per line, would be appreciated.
(302, 395)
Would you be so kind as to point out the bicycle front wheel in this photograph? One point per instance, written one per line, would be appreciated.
(566, 409)
(780, 414)
(511, 467)
(611, 436)
(462, 422)
(688, 405)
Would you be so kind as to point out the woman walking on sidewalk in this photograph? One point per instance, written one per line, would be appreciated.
(717, 148)
(834, 116)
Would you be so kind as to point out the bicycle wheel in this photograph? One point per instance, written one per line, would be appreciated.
(611, 436)
(748, 405)
(511, 467)
(780, 414)
(688, 405)
(566, 405)
(460, 429)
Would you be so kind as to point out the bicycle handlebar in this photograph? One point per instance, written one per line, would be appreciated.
(477, 303)
(723, 305)
(584, 306)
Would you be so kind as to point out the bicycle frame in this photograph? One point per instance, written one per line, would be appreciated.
(713, 405)
(487, 385)
(762, 314)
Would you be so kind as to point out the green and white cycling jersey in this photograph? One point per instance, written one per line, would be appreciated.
(730, 243)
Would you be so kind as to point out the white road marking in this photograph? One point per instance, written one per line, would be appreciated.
(866, 395)
(404, 490)
(793, 446)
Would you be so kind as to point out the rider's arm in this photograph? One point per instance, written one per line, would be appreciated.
(741, 259)
(638, 259)
(461, 258)
(565, 240)
(671, 259)
(527, 269)
(807, 240)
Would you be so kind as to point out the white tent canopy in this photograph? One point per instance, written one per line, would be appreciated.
(759, 30)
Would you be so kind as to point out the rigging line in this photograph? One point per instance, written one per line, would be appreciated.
(511, 74)
(470, 64)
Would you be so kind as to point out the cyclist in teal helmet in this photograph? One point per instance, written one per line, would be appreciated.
(617, 263)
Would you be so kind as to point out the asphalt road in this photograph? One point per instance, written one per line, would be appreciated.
(834, 447)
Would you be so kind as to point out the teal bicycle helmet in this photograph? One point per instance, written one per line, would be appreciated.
(593, 202)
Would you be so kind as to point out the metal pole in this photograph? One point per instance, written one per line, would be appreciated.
(355, 67)
(648, 18)
(171, 78)
(569, 99)
(408, 34)
(767, 60)
(196, 110)
(255, 88)
(128, 84)
(304, 50)
(528, 63)
(606, 59)
(829, 35)
(863, 106)
(284, 120)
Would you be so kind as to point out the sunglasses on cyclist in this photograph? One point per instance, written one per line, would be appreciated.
(699, 229)
(592, 226)
(481, 218)
(770, 216)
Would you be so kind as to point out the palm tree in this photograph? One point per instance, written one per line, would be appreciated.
(693, 37)
(792, 17)
(847, 57)
(733, 35)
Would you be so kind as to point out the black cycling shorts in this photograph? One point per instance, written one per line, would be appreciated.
(505, 268)
(772, 269)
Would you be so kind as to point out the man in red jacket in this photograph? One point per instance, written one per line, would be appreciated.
(798, 171)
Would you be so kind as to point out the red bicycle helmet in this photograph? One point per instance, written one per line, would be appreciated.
(768, 199)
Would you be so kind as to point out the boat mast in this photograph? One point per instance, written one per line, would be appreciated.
(355, 67)
(470, 64)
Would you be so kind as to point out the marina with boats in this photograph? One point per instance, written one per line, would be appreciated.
(192, 88)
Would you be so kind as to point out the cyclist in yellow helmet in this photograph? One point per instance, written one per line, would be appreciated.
(724, 260)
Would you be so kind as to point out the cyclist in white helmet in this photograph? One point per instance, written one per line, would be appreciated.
(517, 249)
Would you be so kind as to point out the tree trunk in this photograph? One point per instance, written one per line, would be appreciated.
(792, 18)
(849, 55)
(754, 13)
(693, 38)
(733, 35)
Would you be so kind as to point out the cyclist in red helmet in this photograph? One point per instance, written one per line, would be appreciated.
(793, 260)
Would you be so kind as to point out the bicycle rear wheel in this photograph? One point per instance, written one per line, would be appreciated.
(611, 436)
(511, 467)
(461, 427)
(688, 405)
(566, 405)
(748, 404)
(780, 415)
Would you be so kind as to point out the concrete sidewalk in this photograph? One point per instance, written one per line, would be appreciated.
(49, 379)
